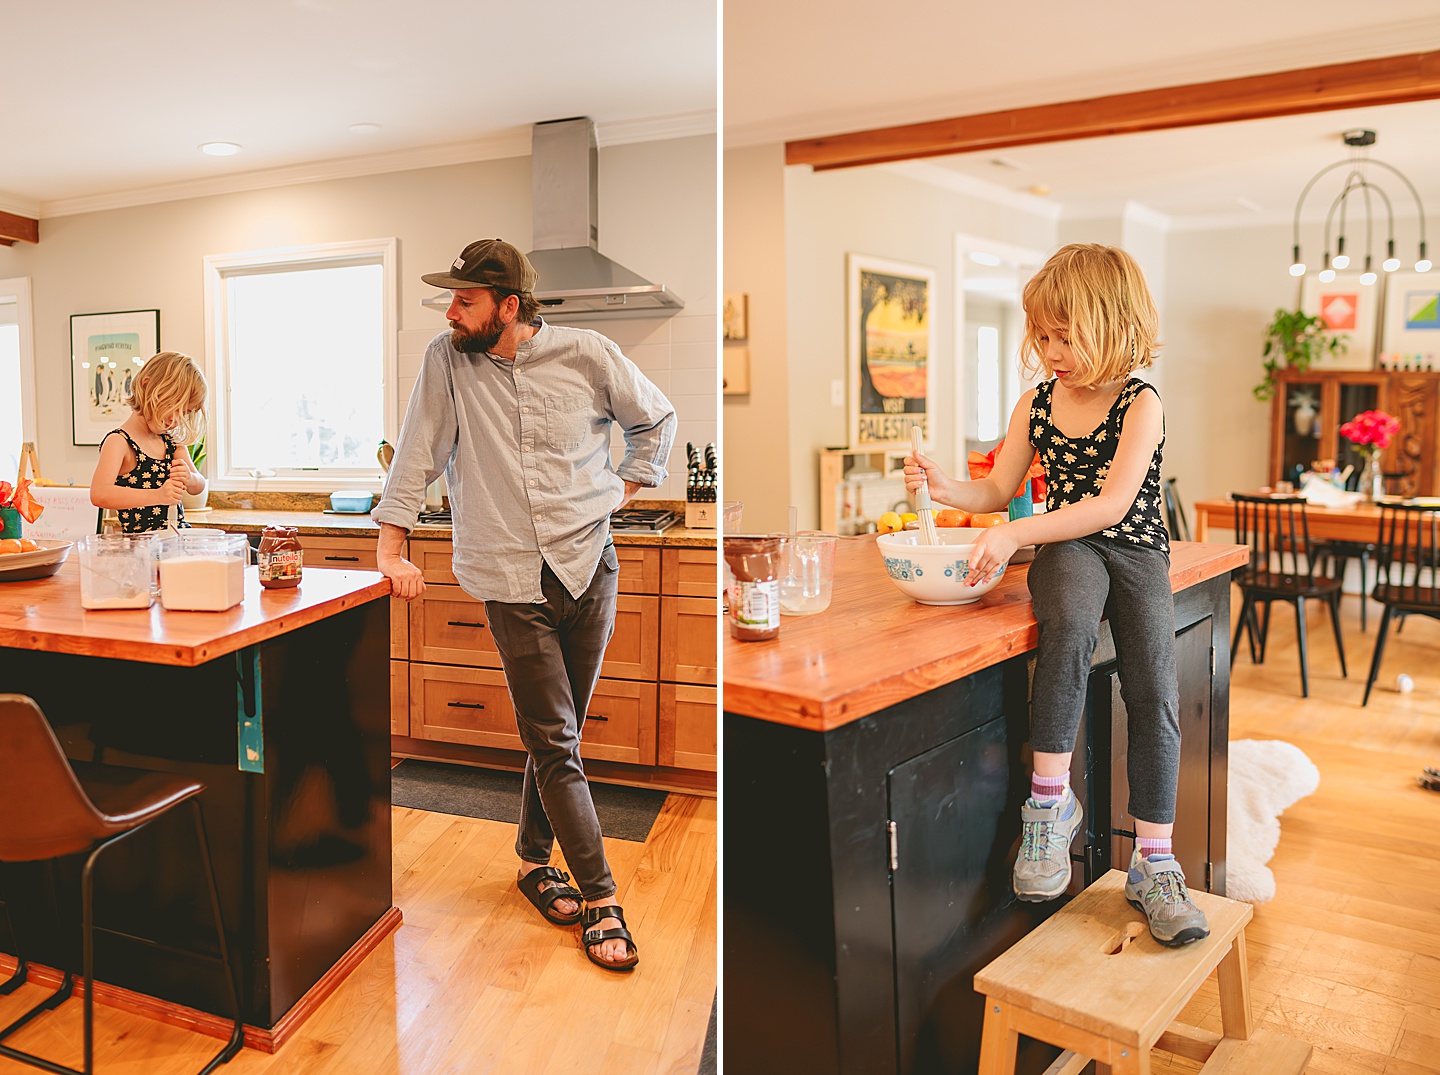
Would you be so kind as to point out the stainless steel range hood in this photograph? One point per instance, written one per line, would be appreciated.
(577, 282)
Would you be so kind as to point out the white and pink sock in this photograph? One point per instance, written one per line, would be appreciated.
(1048, 788)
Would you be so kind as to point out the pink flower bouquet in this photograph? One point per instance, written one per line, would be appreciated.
(1371, 431)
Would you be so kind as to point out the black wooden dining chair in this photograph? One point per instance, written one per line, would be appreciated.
(52, 808)
(1175, 512)
(1408, 574)
(1281, 568)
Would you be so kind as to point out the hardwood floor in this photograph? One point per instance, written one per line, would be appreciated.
(1347, 955)
(474, 982)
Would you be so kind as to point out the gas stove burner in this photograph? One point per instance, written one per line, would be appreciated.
(642, 520)
(434, 517)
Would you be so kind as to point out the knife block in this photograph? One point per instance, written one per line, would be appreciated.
(702, 516)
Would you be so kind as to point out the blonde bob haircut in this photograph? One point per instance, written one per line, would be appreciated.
(171, 383)
(1097, 295)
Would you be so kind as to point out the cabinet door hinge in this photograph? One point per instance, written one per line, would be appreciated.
(1209, 877)
(894, 846)
(1212, 662)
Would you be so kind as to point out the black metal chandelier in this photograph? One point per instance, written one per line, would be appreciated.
(1359, 184)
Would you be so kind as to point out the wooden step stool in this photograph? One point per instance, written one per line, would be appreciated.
(1093, 981)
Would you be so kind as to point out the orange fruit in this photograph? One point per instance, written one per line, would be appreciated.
(29, 545)
(9, 545)
(950, 517)
(989, 518)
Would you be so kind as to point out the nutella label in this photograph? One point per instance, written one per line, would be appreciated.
(756, 604)
(284, 564)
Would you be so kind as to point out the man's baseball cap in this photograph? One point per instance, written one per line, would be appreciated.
(487, 263)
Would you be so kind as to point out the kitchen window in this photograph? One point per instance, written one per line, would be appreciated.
(17, 374)
(302, 365)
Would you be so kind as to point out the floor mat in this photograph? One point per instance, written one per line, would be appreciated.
(625, 813)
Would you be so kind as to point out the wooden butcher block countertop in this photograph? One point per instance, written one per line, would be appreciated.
(45, 614)
(874, 646)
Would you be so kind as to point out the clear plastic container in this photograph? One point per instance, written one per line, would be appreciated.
(116, 570)
(203, 572)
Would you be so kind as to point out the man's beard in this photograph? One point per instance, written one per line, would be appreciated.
(483, 339)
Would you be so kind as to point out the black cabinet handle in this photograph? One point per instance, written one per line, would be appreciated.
(466, 705)
(346, 559)
(463, 623)
(596, 716)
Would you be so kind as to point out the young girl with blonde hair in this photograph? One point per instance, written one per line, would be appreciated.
(1090, 324)
(143, 468)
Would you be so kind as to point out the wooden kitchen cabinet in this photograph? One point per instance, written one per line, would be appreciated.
(688, 628)
(356, 554)
(653, 716)
(472, 706)
(1309, 408)
(688, 736)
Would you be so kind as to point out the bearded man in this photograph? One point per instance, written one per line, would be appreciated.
(517, 414)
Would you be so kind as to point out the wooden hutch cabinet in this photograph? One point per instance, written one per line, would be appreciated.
(1309, 408)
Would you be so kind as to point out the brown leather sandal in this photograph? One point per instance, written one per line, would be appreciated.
(544, 898)
(592, 937)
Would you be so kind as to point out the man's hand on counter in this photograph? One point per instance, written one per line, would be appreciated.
(407, 582)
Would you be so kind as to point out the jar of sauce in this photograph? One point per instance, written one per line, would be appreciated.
(754, 563)
(279, 557)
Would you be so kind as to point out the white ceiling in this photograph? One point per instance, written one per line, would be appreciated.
(821, 67)
(104, 103)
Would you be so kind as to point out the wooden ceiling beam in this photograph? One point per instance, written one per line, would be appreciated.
(1389, 80)
(18, 228)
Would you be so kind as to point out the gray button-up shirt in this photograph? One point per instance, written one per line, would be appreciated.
(525, 449)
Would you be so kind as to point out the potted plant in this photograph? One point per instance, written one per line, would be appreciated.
(1296, 340)
(200, 499)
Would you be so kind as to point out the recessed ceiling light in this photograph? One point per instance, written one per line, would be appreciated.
(364, 128)
(220, 149)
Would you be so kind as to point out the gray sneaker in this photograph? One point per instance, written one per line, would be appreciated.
(1042, 869)
(1156, 886)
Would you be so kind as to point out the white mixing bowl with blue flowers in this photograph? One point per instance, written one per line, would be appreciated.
(935, 574)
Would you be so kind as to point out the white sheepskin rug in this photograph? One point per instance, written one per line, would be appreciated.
(1266, 777)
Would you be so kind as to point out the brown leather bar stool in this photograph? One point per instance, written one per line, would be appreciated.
(53, 808)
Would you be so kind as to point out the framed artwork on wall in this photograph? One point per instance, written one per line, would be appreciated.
(736, 317)
(1410, 330)
(888, 342)
(106, 351)
(1348, 308)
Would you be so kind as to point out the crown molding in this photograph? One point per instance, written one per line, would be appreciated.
(13, 203)
(514, 142)
(656, 128)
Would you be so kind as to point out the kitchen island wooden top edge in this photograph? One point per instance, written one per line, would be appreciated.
(874, 646)
(46, 615)
(322, 524)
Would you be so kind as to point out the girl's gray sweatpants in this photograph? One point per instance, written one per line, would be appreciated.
(1075, 584)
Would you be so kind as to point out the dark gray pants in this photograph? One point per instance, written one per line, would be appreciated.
(1075, 584)
(551, 653)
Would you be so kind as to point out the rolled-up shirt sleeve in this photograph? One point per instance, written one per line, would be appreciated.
(427, 441)
(644, 415)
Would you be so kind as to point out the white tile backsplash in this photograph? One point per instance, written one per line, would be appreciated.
(694, 356)
(694, 328)
(649, 356)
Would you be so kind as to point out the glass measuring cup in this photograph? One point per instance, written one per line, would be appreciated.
(807, 572)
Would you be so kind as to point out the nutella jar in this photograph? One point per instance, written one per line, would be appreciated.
(279, 557)
(754, 562)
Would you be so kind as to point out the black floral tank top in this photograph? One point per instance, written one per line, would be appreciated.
(1076, 469)
(149, 472)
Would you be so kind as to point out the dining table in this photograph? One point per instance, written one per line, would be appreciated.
(1359, 522)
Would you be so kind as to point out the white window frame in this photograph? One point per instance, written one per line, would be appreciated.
(18, 288)
(218, 268)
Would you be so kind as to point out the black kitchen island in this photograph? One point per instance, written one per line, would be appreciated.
(875, 762)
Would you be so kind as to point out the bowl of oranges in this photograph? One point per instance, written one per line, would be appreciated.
(26, 558)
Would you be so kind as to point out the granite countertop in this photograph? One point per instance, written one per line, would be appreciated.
(316, 522)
